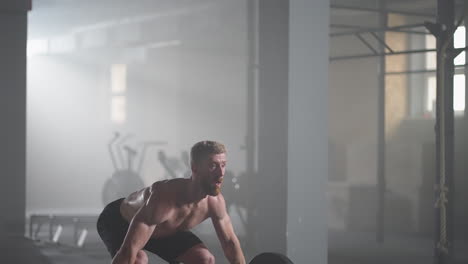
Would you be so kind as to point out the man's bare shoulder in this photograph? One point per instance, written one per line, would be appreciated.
(165, 186)
(160, 201)
(158, 191)
(217, 205)
(166, 191)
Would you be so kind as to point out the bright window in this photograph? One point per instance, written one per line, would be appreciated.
(431, 94)
(37, 47)
(459, 40)
(458, 93)
(118, 80)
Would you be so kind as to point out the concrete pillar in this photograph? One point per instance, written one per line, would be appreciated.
(291, 209)
(13, 35)
(308, 131)
(271, 181)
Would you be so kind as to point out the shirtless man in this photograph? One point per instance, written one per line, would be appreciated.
(158, 218)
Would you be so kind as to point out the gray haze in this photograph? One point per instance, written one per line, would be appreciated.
(145, 81)
(299, 121)
(183, 83)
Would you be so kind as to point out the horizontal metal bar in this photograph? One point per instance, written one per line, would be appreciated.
(389, 54)
(376, 10)
(381, 54)
(407, 26)
(369, 30)
(410, 72)
(457, 67)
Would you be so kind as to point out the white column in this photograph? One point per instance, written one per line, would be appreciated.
(308, 131)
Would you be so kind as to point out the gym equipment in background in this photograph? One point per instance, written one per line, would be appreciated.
(125, 178)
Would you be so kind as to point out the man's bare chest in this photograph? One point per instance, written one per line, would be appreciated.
(180, 219)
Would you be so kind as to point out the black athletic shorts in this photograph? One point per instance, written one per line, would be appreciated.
(112, 228)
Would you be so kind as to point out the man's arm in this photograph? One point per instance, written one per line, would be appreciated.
(223, 226)
(140, 229)
(138, 234)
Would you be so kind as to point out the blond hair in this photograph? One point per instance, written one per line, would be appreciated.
(202, 149)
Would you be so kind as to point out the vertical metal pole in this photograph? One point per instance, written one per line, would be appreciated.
(381, 184)
(75, 229)
(251, 109)
(444, 134)
(31, 222)
(465, 116)
(251, 83)
(51, 227)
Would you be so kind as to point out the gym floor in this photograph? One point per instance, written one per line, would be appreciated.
(93, 250)
(344, 248)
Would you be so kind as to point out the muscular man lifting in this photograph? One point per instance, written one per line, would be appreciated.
(158, 218)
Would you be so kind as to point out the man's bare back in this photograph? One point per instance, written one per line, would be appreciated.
(182, 215)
